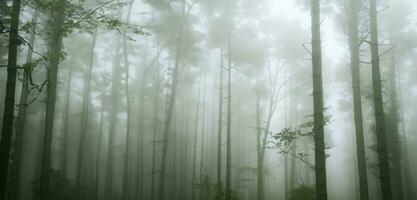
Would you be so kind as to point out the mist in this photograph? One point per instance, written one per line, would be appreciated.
(208, 99)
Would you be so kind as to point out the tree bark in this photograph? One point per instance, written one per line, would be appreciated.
(319, 144)
(220, 126)
(354, 7)
(229, 122)
(55, 50)
(8, 113)
(171, 105)
(384, 171)
(85, 114)
(14, 188)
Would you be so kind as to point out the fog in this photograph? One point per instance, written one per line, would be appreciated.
(208, 99)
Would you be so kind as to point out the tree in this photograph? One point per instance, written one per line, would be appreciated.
(353, 16)
(8, 115)
(384, 170)
(318, 129)
(57, 14)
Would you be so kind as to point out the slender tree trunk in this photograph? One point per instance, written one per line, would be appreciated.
(126, 174)
(394, 147)
(409, 185)
(197, 115)
(171, 104)
(98, 153)
(55, 49)
(14, 188)
(65, 120)
(126, 179)
(229, 123)
(155, 126)
(220, 127)
(203, 142)
(354, 7)
(85, 113)
(140, 154)
(260, 167)
(113, 122)
(8, 113)
(319, 144)
(384, 171)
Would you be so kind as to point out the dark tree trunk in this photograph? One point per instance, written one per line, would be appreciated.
(384, 171)
(319, 144)
(354, 7)
(8, 115)
(55, 50)
(14, 188)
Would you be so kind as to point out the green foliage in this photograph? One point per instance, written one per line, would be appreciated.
(303, 192)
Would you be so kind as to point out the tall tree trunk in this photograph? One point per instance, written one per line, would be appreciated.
(203, 142)
(394, 146)
(141, 128)
(384, 171)
(171, 104)
(98, 153)
(354, 7)
(260, 157)
(155, 125)
(319, 144)
(126, 179)
(114, 108)
(65, 120)
(85, 113)
(55, 49)
(14, 188)
(126, 174)
(220, 127)
(8, 115)
(197, 115)
(409, 185)
(229, 122)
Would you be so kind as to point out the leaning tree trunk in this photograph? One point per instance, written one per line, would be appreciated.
(319, 144)
(55, 50)
(14, 189)
(354, 7)
(8, 115)
(384, 171)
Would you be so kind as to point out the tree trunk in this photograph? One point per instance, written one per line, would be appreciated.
(85, 113)
(220, 126)
(155, 126)
(8, 115)
(141, 128)
(354, 7)
(193, 173)
(229, 122)
(14, 188)
(319, 144)
(98, 153)
(171, 104)
(114, 108)
(384, 171)
(55, 50)
(394, 146)
(65, 120)
(126, 179)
